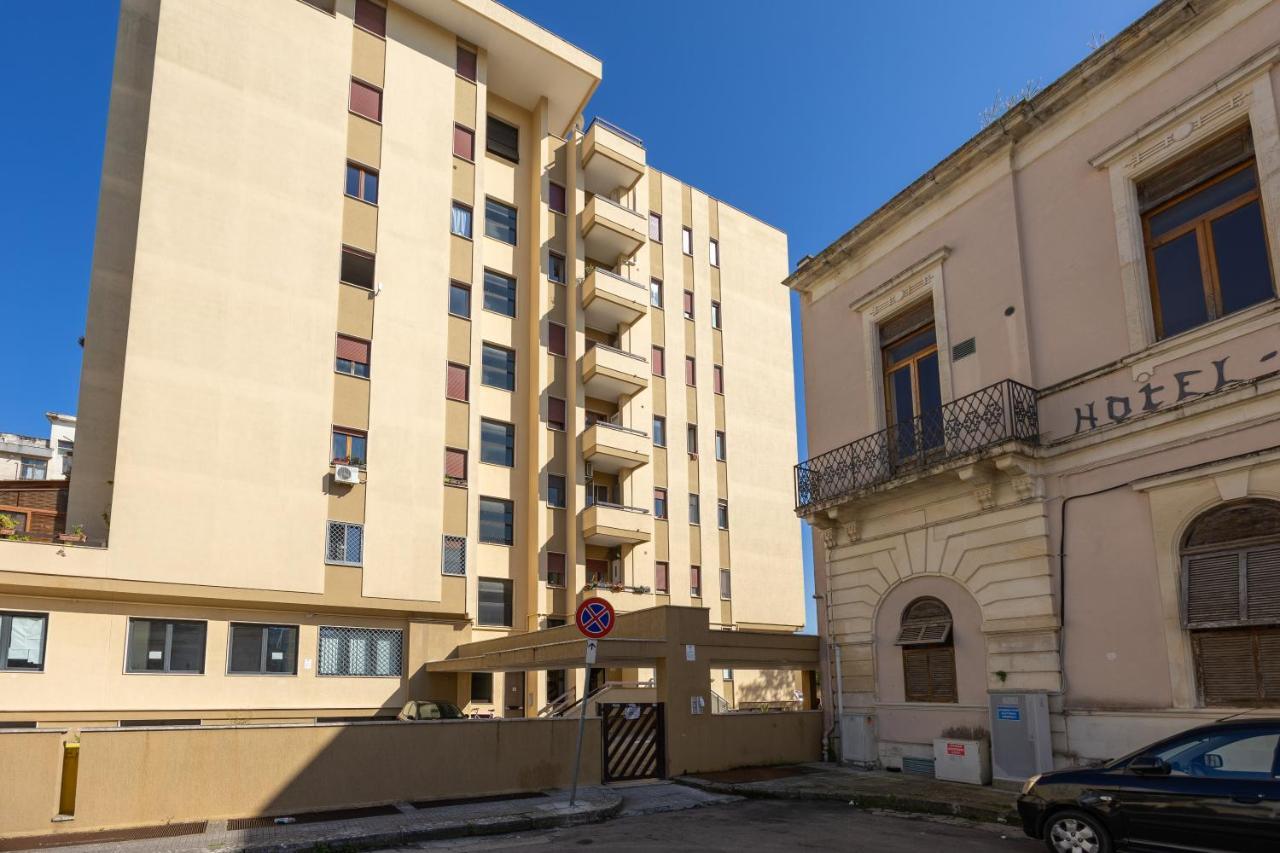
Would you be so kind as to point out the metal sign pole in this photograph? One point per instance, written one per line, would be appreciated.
(582, 718)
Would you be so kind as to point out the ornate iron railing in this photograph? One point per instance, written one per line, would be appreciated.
(987, 418)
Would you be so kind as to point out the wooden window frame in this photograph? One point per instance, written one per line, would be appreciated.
(932, 656)
(349, 433)
(362, 182)
(471, 135)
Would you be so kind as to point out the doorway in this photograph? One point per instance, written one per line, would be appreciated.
(912, 385)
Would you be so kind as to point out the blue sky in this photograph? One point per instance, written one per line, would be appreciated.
(808, 114)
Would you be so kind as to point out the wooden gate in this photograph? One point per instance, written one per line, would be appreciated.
(635, 741)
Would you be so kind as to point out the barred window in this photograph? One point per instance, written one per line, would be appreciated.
(453, 560)
(345, 545)
(365, 652)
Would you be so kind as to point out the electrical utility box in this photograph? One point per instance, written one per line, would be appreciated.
(1020, 744)
(858, 743)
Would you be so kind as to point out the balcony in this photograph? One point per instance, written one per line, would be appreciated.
(935, 440)
(612, 159)
(610, 301)
(612, 448)
(611, 374)
(611, 231)
(612, 525)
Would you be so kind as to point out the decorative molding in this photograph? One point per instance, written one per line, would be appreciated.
(1028, 486)
(902, 287)
(851, 532)
(830, 535)
(986, 496)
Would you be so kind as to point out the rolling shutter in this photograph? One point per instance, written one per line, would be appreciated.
(455, 464)
(353, 349)
(1213, 588)
(366, 100)
(1262, 583)
(456, 384)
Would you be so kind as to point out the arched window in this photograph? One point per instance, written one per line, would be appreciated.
(1231, 602)
(928, 655)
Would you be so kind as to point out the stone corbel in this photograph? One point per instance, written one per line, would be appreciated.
(830, 523)
(1027, 482)
(985, 494)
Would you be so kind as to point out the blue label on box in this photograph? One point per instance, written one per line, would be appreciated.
(1008, 712)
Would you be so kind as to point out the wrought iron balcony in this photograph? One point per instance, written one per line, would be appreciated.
(987, 418)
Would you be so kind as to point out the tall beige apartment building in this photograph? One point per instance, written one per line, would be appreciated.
(387, 352)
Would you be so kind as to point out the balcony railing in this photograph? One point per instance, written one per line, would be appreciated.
(610, 126)
(613, 275)
(987, 418)
(620, 428)
(597, 345)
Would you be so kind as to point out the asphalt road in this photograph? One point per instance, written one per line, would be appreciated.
(764, 825)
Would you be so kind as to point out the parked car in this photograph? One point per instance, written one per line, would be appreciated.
(1212, 788)
(430, 709)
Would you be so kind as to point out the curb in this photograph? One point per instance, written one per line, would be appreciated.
(890, 802)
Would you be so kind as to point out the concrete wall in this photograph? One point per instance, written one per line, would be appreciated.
(724, 741)
(31, 764)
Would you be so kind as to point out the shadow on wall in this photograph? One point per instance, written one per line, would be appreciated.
(768, 689)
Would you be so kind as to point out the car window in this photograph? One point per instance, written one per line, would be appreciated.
(1230, 755)
(428, 711)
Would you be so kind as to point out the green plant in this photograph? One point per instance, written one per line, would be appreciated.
(7, 523)
(78, 530)
(1002, 675)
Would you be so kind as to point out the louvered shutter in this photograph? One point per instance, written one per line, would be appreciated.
(915, 674)
(1213, 588)
(372, 17)
(1268, 658)
(1226, 667)
(353, 349)
(464, 142)
(466, 63)
(942, 674)
(455, 464)
(659, 362)
(1262, 583)
(556, 338)
(366, 100)
(555, 413)
(456, 385)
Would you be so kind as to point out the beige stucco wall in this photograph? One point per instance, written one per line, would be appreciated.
(32, 760)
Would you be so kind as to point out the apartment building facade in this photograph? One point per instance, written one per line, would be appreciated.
(435, 362)
(29, 457)
(1042, 395)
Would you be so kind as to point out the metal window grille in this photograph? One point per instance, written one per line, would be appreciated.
(345, 544)
(454, 560)
(361, 652)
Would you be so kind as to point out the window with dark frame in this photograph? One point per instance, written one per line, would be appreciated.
(357, 268)
(503, 139)
(726, 585)
(360, 652)
(460, 299)
(715, 315)
(344, 544)
(555, 491)
(555, 267)
(555, 338)
(455, 466)
(362, 183)
(721, 447)
(453, 556)
(457, 382)
(372, 17)
(655, 227)
(497, 443)
(500, 221)
(262, 649)
(22, 641)
(497, 521)
(555, 570)
(352, 356)
(555, 413)
(661, 577)
(659, 503)
(464, 142)
(165, 645)
(659, 431)
(460, 220)
(713, 252)
(717, 378)
(498, 367)
(722, 515)
(658, 360)
(690, 371)
(495, 602)
(465, 63)
(1205, 236)
(695, 509)
(499, 293)
(928, 652)
(695, 581)
(655, 292)
(686, 240)
(366, 100)
(349, 447)
(556, 199)
(691, 439)
(482, 687)
(688, 304)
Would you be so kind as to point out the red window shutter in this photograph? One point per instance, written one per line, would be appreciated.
(366, 100)
(466, 63)
(353, 349)
(695, 579)
(456, 383)
(455, 464)
(555, 338)
(688, 302)
(372, 17)
(659, 362)
(556, 198)
(660, 580)
(464, 142)
(555, 412)
(690, 372)
(718, 375)
(555, 568)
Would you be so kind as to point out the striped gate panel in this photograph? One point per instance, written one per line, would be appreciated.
(635, 745)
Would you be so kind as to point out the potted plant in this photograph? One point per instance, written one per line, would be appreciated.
(76, 534)
(963, 754)
(7, 525)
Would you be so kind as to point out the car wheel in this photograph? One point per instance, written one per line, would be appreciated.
(1076, 832)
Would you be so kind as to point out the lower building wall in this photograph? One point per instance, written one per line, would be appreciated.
(31, 765)
(724, 741)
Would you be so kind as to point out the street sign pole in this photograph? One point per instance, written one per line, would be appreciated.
(595, 618)
(582, 718)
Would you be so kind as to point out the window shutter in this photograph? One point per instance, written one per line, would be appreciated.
(366, 100)
(688, 302)
(372, 17)
(718, 375)
(915, 673)
(353, 349)
(464, 142)
(1262, 583)
(466, 63)
(555, 412)
(690, 372)
(1213, 588)
(1226, 667)
(456, 384)
(555, 338)
(1269, 664)
(659, 362)
(942, 674)
(455, 464)
(556, 198)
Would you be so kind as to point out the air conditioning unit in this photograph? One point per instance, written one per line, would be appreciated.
(348, 474)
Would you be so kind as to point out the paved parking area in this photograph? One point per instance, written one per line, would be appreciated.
(763, 825)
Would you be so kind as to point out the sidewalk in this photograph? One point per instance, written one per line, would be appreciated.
(864, 788)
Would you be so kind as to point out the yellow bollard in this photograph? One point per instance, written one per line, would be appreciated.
(70, 770)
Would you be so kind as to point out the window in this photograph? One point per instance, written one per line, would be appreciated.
(495, 602)
(455, 466)
(655, 227)
(498, 367)
(690, 371)
(695, 581)
(460, 220)
(499, 221)
(695, 509)
(661, 577)
(357, 268)
(928, 652)
(727, 675)
(362, 183)
(366, 100)
(32, 469)
(503, 139)
(349, 447)
(464, 142)
(912, 389)
(726, 585)
(555, 267)
(453, 556)
(499, 293)
(466, 63)
(20, 518)
(360, 652)
(482, 687)
(460, 299)
(715, 315)
(322, 5)
(688, 304)
(22, 641)
(686, 240)
(372, 17)
(263, 650)
(658, 358)
(555, 490)
(599, 494)
(556, 197)
(722, 515)
(555, 413)
(497, 443)
(598, 571)
(1231, 755)
(713, 252)
(555, 571)
(721, 448)
(555, 339)
(1205, 236)
(344, 545)
(457, 380)
(659, 431)
(659, 503)
(1231, 582)
(165, 645)
(655, 292)
(497, 521)
(691, 438)
(352, 356)
(717, 378)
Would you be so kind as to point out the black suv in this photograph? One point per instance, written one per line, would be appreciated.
(1212, 788)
